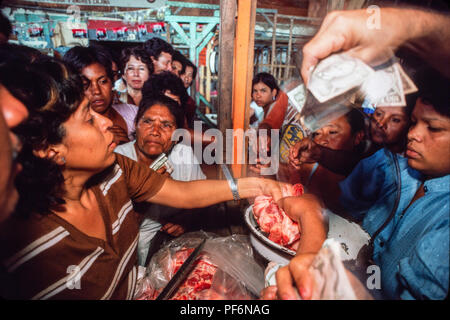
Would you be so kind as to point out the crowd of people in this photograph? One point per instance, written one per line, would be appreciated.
(79, 135)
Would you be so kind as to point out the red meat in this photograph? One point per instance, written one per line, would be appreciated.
(272, 220)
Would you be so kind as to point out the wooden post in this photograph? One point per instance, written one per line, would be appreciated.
(287, 71)
(274, 43)
(243, 68)
(208, 75)
(228, 10)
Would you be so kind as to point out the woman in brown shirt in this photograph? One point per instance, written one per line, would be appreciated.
(74, 234)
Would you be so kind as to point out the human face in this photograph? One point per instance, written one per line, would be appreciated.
(97, 87)
(13, 112)
(154, 131)
(88, 145)
(136, 73)
(428, 148)
(176, 67)
(389, 125)
(116, 71)
(163, 63)
(336, 135)
(263, 95)
(188, 76)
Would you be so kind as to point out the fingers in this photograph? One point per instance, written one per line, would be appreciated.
(162, 170)
(276, 189)
(333, 36)
(269, 293)
(285, 287)
(294, 280)
(173, 229)
(298, 268)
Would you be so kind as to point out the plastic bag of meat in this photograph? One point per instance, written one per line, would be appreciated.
(273, 220)
(224, 269)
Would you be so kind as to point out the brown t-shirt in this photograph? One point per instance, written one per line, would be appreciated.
(45, 257)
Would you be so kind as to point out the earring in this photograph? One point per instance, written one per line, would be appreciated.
(274, 98)
(63, 160)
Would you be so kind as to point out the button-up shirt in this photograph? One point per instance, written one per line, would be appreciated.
(412, 251)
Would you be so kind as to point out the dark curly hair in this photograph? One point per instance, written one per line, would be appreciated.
(155, 46)
(139, 54)
(80, 57)
(41, 183)
(267, 79)
(178, 56)
(166, 80)
(163, 100)
(434, 89)
(193, 66)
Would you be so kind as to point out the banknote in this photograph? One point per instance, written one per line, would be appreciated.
(297, 97)
(395, 96)
(407, 83)
(381, 86)
(336, 75)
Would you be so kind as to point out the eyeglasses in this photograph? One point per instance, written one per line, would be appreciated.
(140, 69)
(151, 124)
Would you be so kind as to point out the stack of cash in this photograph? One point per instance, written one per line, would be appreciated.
(339, 78)
(340, 73)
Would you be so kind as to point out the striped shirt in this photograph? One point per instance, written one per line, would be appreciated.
(45, 257)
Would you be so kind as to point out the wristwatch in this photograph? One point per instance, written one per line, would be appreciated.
(231, 181)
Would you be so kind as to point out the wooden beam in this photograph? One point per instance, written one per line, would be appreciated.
(243, 67)
(274, 43)
(228, 9)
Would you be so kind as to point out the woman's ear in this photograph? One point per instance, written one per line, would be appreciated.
(54, 153)
(274, 94)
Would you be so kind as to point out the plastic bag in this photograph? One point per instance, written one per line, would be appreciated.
(224, 269)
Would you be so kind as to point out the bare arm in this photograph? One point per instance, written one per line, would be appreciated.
(307, 211)
(338, 161)
(203, 193)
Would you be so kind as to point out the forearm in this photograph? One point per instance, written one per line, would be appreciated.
(313, 230)
(203, 193)
(429, 37)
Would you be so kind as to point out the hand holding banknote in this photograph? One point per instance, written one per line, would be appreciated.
(354, 33)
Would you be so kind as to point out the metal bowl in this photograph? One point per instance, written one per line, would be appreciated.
(267, 248)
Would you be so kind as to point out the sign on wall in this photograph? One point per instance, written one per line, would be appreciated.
(113, 3)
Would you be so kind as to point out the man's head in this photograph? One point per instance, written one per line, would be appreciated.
(157, 119)
(178, 63)
(160, 53)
